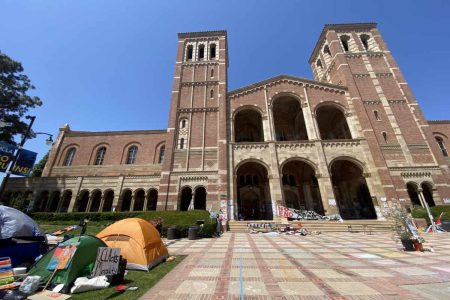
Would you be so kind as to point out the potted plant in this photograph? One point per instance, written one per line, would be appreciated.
(404, 228)
(418, 244)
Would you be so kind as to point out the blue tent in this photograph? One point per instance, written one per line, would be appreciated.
(21, 238)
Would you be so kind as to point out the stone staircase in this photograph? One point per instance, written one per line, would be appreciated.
(368, 226)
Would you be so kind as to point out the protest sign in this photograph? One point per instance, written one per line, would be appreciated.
(62, 257)
(107, 261)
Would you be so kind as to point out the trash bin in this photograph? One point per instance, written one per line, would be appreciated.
(192, 233)
(172, 233)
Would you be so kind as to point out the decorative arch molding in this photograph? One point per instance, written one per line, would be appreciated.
(259, 161)
(313, 165)
(125, 150)
(352, 159)
(95, 149)
(250, 107)
(335, 104)
(429, 183)
(199, 186)
(63, 155)
(301, 100)
(439, 134)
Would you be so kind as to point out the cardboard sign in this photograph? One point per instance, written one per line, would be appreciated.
(62, 257)
(107, 261)
(49, 295)
(332, 202)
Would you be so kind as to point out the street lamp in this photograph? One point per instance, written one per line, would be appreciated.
(48, 141)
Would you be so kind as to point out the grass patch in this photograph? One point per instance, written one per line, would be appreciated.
(92, 228)
(143, 280)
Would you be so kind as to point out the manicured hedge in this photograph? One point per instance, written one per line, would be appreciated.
(179, 219)
(420, 212)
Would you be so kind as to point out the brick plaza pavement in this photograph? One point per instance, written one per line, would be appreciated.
(326, 266)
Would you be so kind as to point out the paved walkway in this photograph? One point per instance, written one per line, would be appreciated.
(326, 266)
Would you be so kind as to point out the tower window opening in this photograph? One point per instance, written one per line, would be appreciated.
(201, 52)
(319, 64)
(385, 137)
(182, 143)
(326, 50)
(441, 144)
(211, 93)
(344, 41)
(212, 51)
(212, 73)
(183, 123)
(365, 40)
(377, 116)
(190, 51)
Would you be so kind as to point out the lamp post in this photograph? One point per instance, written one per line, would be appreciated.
(48, 141)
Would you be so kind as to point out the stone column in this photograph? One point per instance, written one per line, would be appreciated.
(91, 196)
(146, 194)
(102, 202)
(60, 201)
(327, 192)
(133, 199)
(75, 192)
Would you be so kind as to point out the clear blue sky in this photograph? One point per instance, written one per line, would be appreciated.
(108, 65)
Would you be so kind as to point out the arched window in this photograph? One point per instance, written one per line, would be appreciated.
(212, 73)
(190, 52)
(441, 144)
(183, 123)
(70, 156)
(326, 50)
(377, 116)
(161, 154)
(344, 41)
(319, 64)
(212, 52)
(182, 143)
(211, 93)
(100, 156)
(201, 52)
(384, 137)
(132, 155)
(365, 40)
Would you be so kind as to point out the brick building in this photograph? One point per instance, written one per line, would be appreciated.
(350, 141)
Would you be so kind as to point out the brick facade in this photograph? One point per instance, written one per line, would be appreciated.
(350, 141)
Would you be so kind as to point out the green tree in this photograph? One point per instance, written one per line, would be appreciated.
(39, 167)
(14, 98)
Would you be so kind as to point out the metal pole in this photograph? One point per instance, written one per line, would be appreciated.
(19, 148)
(433, 225)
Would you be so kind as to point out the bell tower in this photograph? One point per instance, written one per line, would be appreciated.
(196, 154)
(356, 55)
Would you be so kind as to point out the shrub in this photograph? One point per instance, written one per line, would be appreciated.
(181, 220)
(420, 212)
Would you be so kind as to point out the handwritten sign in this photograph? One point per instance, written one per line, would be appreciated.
(107, 261)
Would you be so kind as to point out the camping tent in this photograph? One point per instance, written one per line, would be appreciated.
(21, 238)
(81, 265)
(138, 240)
(14, 223)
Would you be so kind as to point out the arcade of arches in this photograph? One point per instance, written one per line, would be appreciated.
(189, 200)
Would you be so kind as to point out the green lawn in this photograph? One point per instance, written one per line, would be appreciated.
(143, 280)
(92, 228)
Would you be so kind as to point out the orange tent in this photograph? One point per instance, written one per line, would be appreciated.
(139, 243)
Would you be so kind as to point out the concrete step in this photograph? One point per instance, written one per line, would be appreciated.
(324, 226)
